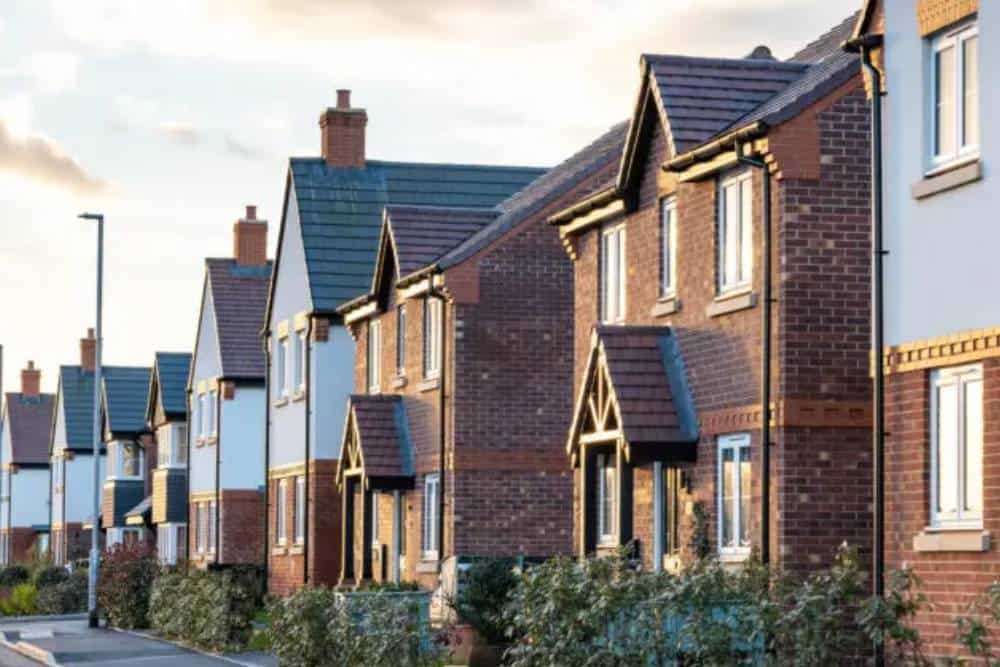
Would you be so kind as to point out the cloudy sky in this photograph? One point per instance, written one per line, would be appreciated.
(169, 117)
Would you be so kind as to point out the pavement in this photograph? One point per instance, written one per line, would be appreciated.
(69, 641)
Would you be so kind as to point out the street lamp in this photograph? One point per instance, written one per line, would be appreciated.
(94, 552)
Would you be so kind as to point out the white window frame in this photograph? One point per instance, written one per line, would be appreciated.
(282, 370)
(195, 416)
(374, 518)
(213, 509)
(298, 367)
(668, 247)
(401, 339)
(743, 252)
(613, 274)
(200, 529)
(736, 443)
(433, 308)
(965, 516)
(431, 502)
(168, 542)
(607, 534)
(300, 509)
(213, 414)
(281, 508)
(954, 38)
(374, 356)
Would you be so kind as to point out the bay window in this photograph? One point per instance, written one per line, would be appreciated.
(734, 487)
(957, 447)
(735, 233)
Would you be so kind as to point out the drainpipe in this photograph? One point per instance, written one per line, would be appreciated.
(218, 461)
(864, 45)
(432, 292)
(765, 358)
(267, 455)
(307, 377)
(187, 486)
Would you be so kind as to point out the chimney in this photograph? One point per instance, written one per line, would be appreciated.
(31, 381)
(88, 351)
(342, 133)
(250, 239)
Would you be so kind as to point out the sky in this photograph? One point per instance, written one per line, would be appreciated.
(171, 117)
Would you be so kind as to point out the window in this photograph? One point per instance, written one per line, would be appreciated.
(213, 414)
(212, 508)
(300, 509)
(280, 378)
(374, 355)
(196, 415)
(281, 507)
(298, 362)
(374, 517)
(671, 510)
(957, 447)
(170, 538)
(201, 530)
(432, 337)
(734, 479)
(130, 459)
(607, 500)
(613, 274)
(668, 247)
(171, 446)
(955, 94)
(303, 348)
(430, 533)
(401, 339)
(735, 234)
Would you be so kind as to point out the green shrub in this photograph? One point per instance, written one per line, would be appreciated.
(12, 575)
(49, 576)
(316, 627)
(372, 586)
(213, 610)
(20, 601)
(66, 597)
(125, 578)
(484, 590)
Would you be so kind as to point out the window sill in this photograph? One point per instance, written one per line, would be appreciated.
(428, 567)
(296, 550)
(298, 396)
(948, 178)
(173, 466)
(734, 556)
(731, 303)
(666, 306)
(399, 382)
(279, 550)
(429, 384)
(208, 442)
(281, 402)
(672, 563)
(952, 539)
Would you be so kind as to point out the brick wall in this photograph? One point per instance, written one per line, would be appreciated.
(241, 532)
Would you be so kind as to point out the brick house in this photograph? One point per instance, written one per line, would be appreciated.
(326, 253)
(666, 432)
(452, 442)
(71, 457)
(226, 403)
(25, 424)
(129, 447)
(166, 509)
(941, 336)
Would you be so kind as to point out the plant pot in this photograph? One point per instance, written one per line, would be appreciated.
(485, 655)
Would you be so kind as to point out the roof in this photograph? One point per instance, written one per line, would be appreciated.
(30, 421)
(382, 436)
(340, 212)
(77, 389)
(124, 396)
(422, 234)
(170, 373)
(864, 19)
(142, 509)
(239, 294)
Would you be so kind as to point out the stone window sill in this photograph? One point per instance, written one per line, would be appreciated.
(666, 306)
(731, 303)
(948, 178)
(279, 550)
(298, 396)
(734, 556)
(430, 384)
(398, 382)
(428, 567)
(281, 402)
(296, 550)
(938, 539)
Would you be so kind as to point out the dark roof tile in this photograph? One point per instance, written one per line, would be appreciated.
(422, 234)
(171, 371)
(239, 294)
(384, 435)
(124, 398)
(30, 421)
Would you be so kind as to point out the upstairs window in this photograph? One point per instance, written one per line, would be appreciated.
(280, 378)
(668, 247)
(401, 339)
(957, 447)
(298, 362)
(432, 338)
(734, 486)
(954, 89)
(171, 445)
(374, 356)
(613, 274)
(607, 500)
(735, 234)
(430, 528)
(213, 414)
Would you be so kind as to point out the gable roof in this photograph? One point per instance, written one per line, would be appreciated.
(168, 384)
(704, 104)
(376, 438)
(422, 234)
(123, 398)
(30, 420)
(76, 386)
(239, 295)
(340, 212)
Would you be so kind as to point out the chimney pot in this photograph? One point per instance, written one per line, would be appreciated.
(343, 98)
(342, 133)
(31, 381)
(88, 352)
(251, 212)
(250, 239)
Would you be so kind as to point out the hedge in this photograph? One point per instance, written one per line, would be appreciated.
(124, 581)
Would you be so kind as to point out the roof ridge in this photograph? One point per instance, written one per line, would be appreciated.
(743, 63)
(407, 163)
(814, 47)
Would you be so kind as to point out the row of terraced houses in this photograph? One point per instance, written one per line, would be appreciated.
(662, 342)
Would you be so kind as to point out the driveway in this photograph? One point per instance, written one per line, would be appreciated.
(72, 643)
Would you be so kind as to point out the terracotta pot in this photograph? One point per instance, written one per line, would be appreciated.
(484, 655)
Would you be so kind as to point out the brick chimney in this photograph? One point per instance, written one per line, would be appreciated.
(342, 131)
(88, 351)
(31, 381)
(250, 239)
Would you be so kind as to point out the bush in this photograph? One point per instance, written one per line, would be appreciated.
(213, 610)
(12, 575)
(484, 591)
(21, 601)
(66, 597)
(316, 627)
(49, 576)
(124, 581)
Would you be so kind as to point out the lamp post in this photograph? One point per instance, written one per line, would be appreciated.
(94, 551)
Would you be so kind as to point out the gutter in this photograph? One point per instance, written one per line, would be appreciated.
(730, 140)
(593, 202)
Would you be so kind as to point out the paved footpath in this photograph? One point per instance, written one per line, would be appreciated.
(71, 643)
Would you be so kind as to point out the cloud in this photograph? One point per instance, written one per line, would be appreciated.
(46, 72)
(234, 147)
(41, 159)
(180, 133)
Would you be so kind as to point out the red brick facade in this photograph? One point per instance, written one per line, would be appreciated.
(22, 544)
(821, 439)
